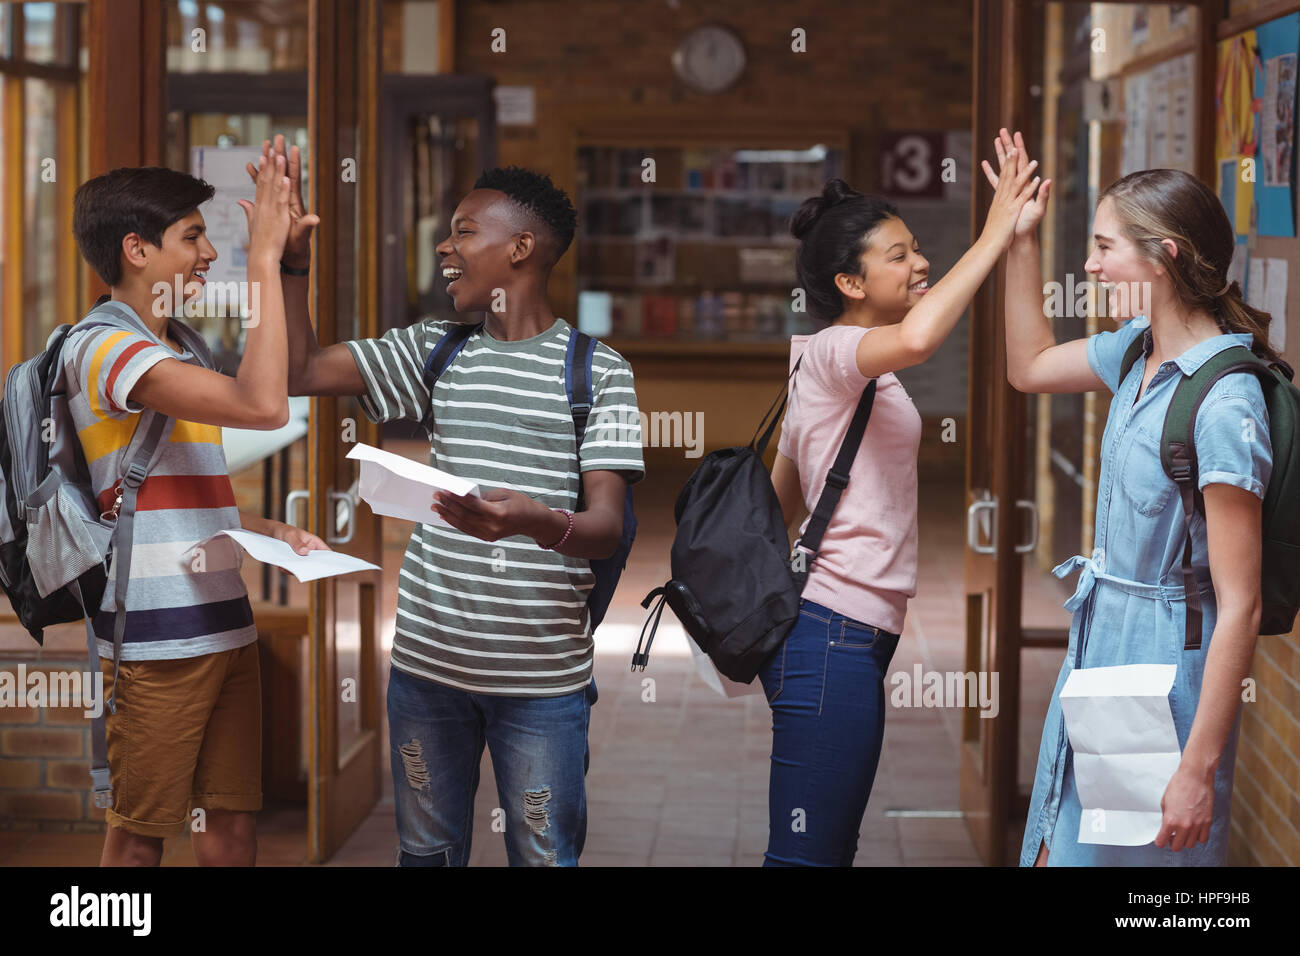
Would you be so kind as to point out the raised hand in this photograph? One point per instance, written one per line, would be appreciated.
(268, 215)
(1031, 214)
(297, 247)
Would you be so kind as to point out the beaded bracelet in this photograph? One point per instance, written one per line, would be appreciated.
(568, 532)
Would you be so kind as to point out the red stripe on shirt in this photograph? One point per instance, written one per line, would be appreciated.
(120, 364)
(169, 492)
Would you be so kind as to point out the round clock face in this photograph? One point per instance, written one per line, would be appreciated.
(709, 58)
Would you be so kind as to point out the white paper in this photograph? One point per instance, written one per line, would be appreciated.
(397, 487)
(305, 567)
(1275, 288)
(1237, 268)
(1133, 149)
(1255, 278)
(1158, 124)
(717, 682)
(1182, 113)
(1125, 749)
(516, 105)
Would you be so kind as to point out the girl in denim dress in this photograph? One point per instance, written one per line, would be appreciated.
(1163, 234)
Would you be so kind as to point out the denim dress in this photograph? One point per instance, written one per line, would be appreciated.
(1128, 606)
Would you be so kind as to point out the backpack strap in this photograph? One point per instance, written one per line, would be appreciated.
(110, 313)
(837, 478)
(761, 445)
(1178, 458)
(578, 390)
(101, 783)
(1131, 355)
(448, 347)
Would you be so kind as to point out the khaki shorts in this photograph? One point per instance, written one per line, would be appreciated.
(187, 733)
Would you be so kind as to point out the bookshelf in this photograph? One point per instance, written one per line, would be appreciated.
(684, 249)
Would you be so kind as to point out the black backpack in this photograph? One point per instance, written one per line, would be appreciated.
(735, 585)
(578, 389)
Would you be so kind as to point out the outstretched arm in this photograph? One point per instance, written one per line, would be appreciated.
(256, 397)
(312, 370)
(1035, 363)
(924, 328)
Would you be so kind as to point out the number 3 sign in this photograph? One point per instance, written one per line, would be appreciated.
(911, 163)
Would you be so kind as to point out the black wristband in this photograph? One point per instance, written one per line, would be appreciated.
(291, 271)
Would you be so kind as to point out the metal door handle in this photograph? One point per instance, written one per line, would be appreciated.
(300, 494)
(345, 512)
(976, 511)
(1033, 534)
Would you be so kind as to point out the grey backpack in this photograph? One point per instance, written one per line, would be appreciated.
(55, 544)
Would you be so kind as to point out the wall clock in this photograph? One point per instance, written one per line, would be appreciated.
(710, 58)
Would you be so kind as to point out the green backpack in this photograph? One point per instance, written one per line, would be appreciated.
(1280, 579)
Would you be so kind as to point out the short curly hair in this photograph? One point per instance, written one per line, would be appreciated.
(544, 203)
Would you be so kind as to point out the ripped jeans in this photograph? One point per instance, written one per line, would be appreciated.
(539, 756)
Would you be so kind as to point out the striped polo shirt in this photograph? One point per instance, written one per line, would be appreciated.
(179, 603)
(500, 617)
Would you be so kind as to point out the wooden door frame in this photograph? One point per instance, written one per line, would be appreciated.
(988, 765)
(331, 815)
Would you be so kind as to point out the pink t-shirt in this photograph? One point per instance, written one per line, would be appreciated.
(866, 567)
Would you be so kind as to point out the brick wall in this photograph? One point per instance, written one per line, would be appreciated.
(44, 755)
(1266, 789)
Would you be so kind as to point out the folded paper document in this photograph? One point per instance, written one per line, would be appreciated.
(1125, 749)
(400, 488)
(305, 567)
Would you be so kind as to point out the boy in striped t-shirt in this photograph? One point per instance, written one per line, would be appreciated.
(187, 727)
(493, 643)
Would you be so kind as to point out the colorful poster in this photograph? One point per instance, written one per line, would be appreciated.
(1274, 66)
(1277, 120)
(1234, 136)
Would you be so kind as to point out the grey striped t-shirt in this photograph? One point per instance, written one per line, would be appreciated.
(500, 617)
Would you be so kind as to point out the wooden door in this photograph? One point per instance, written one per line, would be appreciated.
(345, 759)
(994, 472)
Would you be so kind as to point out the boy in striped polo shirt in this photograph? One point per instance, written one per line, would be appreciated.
(187, 728)
(493, 643)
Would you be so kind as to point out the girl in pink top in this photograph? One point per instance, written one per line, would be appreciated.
(862, 272)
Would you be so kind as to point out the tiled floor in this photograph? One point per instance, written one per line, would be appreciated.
(681, 779)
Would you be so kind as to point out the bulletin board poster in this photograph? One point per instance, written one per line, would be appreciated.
(1255, 113)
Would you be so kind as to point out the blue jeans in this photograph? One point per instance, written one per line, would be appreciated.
(826, 688)
(539, 756)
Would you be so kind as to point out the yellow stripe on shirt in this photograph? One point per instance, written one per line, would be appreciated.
(195, 433)
(106, 436)
(96, 361)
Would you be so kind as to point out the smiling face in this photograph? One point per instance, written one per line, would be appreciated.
(894, 273)
(487, 240)
(1116, 262)
(185, 251)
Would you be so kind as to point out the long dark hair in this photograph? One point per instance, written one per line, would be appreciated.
(1156, 204)
(833, 230)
